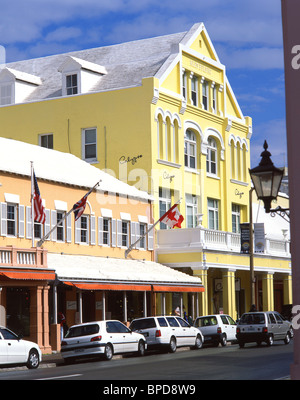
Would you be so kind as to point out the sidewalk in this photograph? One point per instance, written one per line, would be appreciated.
(51, 360)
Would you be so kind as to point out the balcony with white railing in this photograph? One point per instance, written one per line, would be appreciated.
(19, 257)
(209, 239)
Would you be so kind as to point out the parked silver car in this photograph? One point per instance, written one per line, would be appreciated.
(101, 338)
(262, 327)
(167, 331)
(216, 328)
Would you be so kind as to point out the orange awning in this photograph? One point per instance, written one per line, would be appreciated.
(131, 287)
(28, 275)
(109, 286)
(190, 289)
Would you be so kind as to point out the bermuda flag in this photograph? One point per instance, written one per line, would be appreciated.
(39, 209)
(172, 217)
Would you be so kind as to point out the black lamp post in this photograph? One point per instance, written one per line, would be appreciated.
(266, 180)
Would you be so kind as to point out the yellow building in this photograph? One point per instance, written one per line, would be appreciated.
(159, 114)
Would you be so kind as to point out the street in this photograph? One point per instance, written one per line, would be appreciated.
(208, 363)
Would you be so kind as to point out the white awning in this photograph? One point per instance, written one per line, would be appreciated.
(88, 272)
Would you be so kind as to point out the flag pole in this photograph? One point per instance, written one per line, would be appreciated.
(127, 251)
(45, 237)
(32, 205)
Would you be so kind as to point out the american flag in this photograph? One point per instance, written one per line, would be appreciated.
(39, 209)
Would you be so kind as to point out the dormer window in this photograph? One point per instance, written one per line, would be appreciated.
(72, 84)
(79, 76)
(6, 94)
(16, 86)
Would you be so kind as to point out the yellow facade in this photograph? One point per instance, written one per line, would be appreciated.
(176, 132)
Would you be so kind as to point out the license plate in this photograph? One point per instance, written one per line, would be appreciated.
(78, 350)
(251, 329)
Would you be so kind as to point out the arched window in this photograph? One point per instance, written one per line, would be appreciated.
(190, 149)
(211, 158)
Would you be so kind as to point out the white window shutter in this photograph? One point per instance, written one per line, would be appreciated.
(100, 231)
(21, 221)
(133, 232)
(3, 219)
(47, 223)
(119, 233)
(77, 231)
(113, 233)
(28, 223)
(53, 223)
(151, 239)
(69, 228)
(137, 231)
(93, 230)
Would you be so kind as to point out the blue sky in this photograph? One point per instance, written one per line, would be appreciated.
(247, 35)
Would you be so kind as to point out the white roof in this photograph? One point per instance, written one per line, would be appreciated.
(114, 270)
(15, 157)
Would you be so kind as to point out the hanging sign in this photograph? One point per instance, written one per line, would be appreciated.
(245, 238)
(259, 237)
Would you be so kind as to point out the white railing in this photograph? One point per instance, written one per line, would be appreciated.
(214, 240)
(13, 256)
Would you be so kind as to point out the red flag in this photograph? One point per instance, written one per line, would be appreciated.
(172, 217)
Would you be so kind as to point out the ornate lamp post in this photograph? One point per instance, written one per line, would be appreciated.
(266, 180)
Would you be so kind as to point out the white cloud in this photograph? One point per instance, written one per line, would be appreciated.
(63, 33)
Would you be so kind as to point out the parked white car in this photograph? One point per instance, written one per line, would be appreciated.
(217, 328)
(101, 338)
(167, 331)
(16, 351)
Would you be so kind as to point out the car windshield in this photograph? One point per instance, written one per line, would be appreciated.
(142, 324)
(83, 330)
(206, 321)
(252, 319)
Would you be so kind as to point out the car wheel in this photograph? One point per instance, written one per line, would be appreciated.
(141, 348)
(241, 344)
(33, 359)
(223, 340)
(270, 340)
(287, 339)
(108, 352)
(172, 345)
(198, 342)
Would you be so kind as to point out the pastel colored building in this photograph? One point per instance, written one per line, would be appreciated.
(159, 114)
(80, 268)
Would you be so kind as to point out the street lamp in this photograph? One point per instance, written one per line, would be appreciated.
(266, 180)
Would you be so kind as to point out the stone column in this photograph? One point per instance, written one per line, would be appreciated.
(268, 292)
(229, 302)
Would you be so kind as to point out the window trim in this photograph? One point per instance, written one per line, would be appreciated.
(188, 144)
(84, 144)
(209, 162)
(216, 214)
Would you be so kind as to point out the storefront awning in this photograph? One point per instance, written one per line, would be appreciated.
(102, 286)
(175, 288)
(103, 273)
(27, 274)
